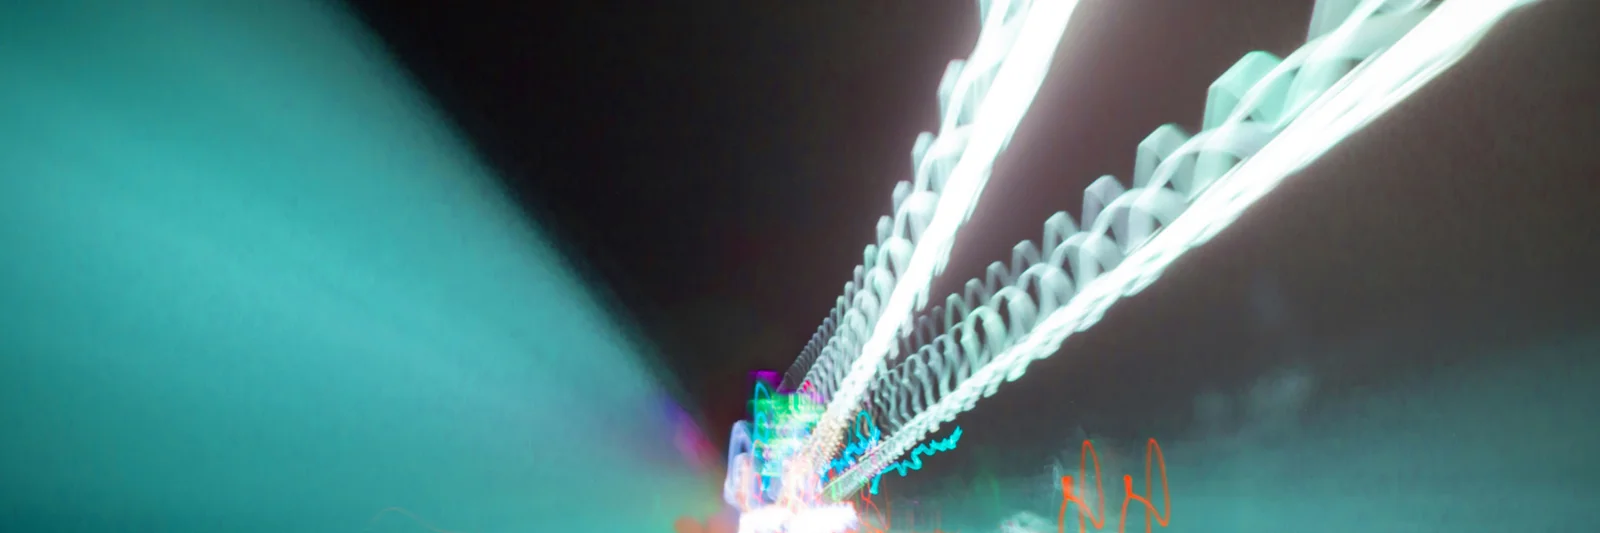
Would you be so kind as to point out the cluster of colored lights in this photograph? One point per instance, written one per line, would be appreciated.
(758, 452)
(761, 449)
(781, 424)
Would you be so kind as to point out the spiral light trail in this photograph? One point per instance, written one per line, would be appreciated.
(984, 103)
(1309, 100)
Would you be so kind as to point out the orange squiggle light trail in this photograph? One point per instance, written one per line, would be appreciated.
(1152, 451)
(1154, 460)
(886, 518)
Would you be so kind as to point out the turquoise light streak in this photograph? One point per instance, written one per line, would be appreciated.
(913, 460)
(253, 282)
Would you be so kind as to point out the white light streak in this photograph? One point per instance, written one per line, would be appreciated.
(1351, 103)
(1002, 108)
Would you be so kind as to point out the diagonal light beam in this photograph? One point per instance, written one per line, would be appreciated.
(1438, 42)
(1008, 99)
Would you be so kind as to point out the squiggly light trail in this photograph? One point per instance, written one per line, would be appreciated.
(868, 440)
(1154, 462)
(253, 283)
(1003, 106)
(914, 459)
(853, 448)
(1432, 46)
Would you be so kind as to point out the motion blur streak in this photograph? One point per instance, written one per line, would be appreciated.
(253, 282)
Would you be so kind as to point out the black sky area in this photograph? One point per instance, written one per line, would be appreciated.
(719, 165)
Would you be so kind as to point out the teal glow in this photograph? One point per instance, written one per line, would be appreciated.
(254, 282)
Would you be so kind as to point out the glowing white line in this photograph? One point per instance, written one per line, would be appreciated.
(1004, 105)
(1435, 44)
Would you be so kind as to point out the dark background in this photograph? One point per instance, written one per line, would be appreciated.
(720, 165)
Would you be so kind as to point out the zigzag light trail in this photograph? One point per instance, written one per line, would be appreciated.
(914, 459)
(1428, 49)
(1003, 106)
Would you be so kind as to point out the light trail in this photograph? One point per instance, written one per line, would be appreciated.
(1445, 36)
(1007, 100)
(1154, 462)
